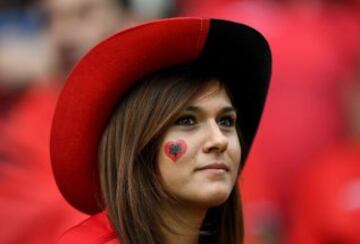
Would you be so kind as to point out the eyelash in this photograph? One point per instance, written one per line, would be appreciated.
(181, 120)
(230, 119)
(190, 120)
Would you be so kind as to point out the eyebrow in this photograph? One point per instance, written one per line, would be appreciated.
(226, 109)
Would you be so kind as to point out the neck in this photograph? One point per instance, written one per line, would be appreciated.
(184, 224)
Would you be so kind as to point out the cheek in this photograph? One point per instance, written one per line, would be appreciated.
(175, 150)
(173, 164)
(235, 151)
(176, 161)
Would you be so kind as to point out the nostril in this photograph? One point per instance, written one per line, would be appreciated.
(216, 144)
(215, 140)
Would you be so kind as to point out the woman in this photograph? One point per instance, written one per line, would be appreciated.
(152, 129)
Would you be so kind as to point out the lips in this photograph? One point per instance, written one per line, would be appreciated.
(214, 166)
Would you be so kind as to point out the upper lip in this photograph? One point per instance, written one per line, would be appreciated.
(216, 165)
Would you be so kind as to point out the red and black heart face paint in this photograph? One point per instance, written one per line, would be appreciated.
(175, 149)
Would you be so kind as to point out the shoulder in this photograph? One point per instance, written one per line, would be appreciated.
(94, 230)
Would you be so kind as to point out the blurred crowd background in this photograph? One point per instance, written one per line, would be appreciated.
(302, 181)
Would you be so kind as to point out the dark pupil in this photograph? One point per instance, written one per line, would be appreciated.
(175, 148)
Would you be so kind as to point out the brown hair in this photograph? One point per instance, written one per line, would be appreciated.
(131, 190)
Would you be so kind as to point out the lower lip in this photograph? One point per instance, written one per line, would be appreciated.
(214, 171)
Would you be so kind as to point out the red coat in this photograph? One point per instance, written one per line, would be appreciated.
(96, 229)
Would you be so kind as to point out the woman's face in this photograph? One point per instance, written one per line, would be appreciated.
(200, 154)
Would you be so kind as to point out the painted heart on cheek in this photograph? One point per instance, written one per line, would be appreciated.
(175, 149)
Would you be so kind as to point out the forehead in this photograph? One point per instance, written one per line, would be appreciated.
(213, 92)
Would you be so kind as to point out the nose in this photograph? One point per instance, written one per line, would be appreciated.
(216, 141)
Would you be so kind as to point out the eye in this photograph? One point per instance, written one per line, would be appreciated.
(227, 121)
(186, 120)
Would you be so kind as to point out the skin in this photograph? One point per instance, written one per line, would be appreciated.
(207, 126)
(75, 26)
(175, 149)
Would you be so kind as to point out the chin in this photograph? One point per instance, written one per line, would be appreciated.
(215, 197)
(215, 202)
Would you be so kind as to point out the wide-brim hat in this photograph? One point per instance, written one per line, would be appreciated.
(235, 51)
